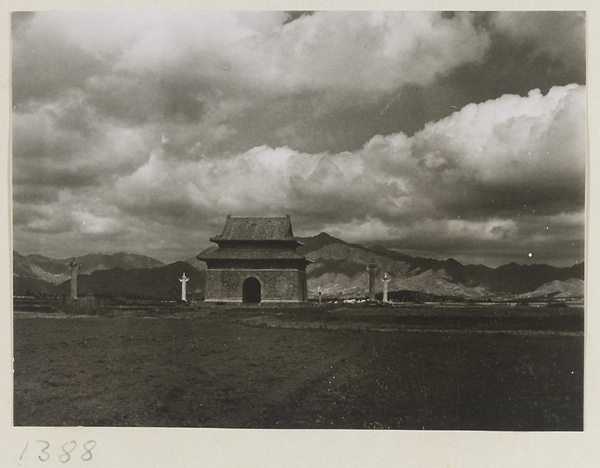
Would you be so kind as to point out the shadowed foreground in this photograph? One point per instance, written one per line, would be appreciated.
(343, 368)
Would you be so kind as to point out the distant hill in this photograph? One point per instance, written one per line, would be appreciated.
(56, 271)
(142, 283)
(23, 286)
(557, 290)
(39, 268)
(198, 264)
(338, 269)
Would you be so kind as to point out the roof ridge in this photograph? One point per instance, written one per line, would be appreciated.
(257, 228)
(257, 217)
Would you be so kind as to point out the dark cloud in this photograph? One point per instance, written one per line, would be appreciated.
(45, 66)
(432, 132)
(42, 219)
(34, 194)
(555, 240)
(153, 98)
(57, 177)
(547, 35)
(295, 14)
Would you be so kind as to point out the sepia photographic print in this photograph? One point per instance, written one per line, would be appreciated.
(316, 222)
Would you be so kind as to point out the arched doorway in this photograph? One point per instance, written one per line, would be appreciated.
(251, 290)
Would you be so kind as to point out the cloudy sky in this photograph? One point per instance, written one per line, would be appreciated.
(437, 134)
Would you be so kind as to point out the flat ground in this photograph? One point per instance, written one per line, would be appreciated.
(343, 367)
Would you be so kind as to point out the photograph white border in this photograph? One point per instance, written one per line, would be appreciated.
(153, 447)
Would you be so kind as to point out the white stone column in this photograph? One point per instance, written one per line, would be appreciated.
(184, 279)
(386, 280)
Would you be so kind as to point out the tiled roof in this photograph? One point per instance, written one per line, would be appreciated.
(256, 229)
(251, 254)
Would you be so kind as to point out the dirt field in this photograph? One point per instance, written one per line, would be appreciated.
(500, 368)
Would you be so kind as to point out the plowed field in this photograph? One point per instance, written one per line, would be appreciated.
(500, 368)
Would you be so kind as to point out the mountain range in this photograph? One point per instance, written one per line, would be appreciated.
(338, 269)
(56, 271)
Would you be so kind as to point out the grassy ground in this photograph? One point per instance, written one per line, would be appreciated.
(344, 368)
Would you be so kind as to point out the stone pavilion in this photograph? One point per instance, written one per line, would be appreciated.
(256, 262)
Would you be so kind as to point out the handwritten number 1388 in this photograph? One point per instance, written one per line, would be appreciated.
(66, 450)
